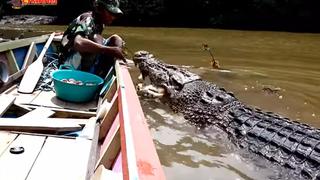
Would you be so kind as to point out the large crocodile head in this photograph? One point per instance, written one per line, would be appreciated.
(169, 77)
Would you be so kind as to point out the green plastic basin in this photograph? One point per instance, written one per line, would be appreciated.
(74, 92)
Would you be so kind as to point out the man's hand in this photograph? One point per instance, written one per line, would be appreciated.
(118, 53)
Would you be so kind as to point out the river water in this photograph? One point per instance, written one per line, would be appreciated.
(276, 71)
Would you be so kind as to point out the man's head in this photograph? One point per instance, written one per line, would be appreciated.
(108, 10)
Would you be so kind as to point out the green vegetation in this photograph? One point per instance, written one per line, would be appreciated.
(297, 15)
(291, 15)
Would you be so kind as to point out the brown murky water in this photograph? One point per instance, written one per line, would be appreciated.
(256, 62)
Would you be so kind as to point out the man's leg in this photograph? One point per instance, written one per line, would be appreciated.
(114, 40)
(105, 62)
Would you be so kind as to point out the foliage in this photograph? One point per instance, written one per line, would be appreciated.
(248, 14)
(292, 15)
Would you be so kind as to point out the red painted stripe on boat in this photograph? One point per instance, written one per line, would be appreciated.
(129, 159)
(147, 160)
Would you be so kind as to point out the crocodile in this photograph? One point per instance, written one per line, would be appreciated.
(289, 143)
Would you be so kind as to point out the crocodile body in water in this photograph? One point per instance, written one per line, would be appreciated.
(289, 143)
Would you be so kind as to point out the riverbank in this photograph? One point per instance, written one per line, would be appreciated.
(23, 26)
(13, 33)
(27, 20)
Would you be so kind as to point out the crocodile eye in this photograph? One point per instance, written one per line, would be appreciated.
(209, 94)
(222, 89)
(231, 94)
(219, 98)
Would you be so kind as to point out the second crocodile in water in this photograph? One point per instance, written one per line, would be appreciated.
(289, 143)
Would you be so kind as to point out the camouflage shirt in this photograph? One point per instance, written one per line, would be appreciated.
(86, 26)
(83, 25)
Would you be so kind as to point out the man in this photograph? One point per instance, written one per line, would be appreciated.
(83, 46)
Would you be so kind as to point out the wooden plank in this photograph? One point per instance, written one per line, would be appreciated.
(106, 86)
(4, 70)
(133, 123)
(111, 91)
(12, 78)
(108, 119)
(93, 135)
(89, 130)
(111, 147)
(14, 69)
(81, 122)
(33, 72)
(31, 54)
(38, 113)
(6, 139)
(103, 109)
(58, 38)
(13, 66)
(9, 90)
(5, 103)
(17, 166)
(130, 170)
(25, 98)
(15, 76)
(62, 159)
(5, 46)
(63, 113)
(103, 173)
(22, 98)
(41, 134)
(17, 111)
(50, 100)
(31, 125)
(113, 129)
(110, 74)
(23, 108)
(107, 81)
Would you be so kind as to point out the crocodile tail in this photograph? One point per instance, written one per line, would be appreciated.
(289, 143)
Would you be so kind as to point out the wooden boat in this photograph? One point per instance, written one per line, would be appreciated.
(43, 137)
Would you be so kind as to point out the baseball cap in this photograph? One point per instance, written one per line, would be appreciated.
(111, 5)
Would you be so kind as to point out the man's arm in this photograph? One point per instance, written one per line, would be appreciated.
(84, 45)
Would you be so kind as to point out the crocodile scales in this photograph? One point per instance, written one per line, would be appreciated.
(289, 143)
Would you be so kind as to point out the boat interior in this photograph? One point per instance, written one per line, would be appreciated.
(45, 137)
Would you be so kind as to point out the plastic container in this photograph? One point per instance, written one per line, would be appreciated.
(82, 92)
